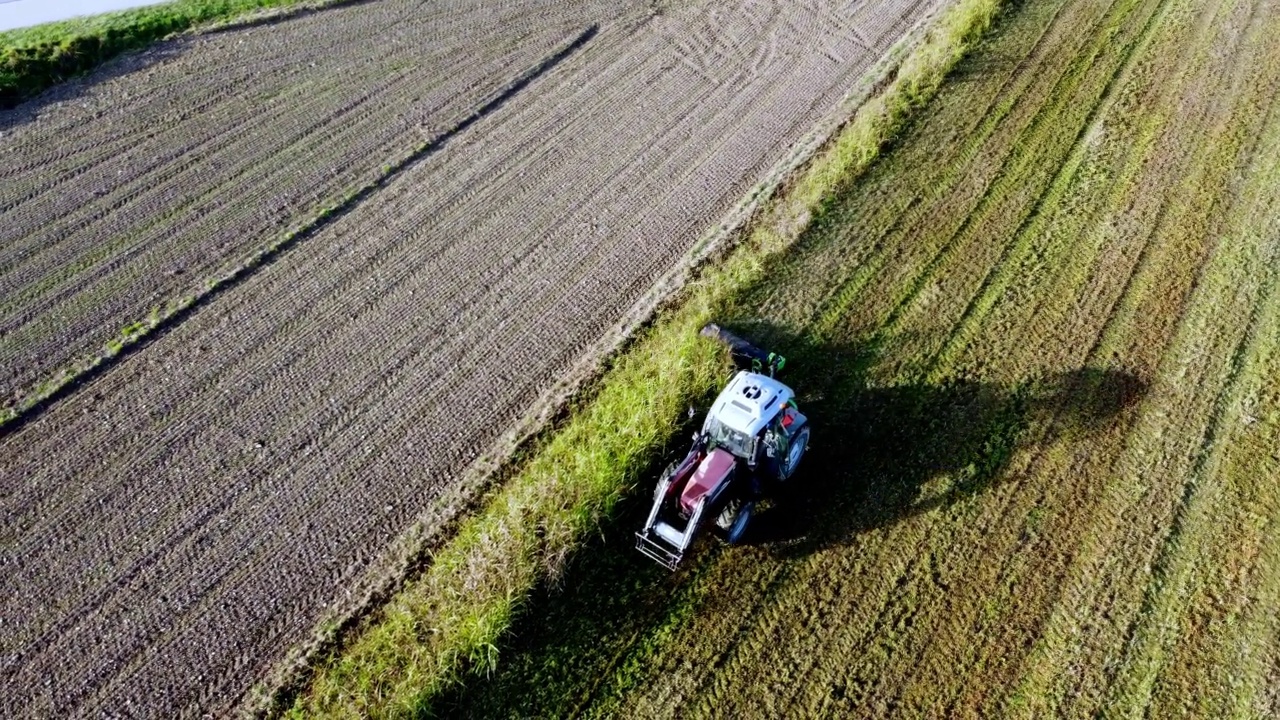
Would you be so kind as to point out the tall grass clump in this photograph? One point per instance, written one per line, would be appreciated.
(451, 618)
(36, 58)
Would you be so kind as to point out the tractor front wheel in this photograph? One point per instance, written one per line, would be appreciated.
(735, 518)
(795, 452)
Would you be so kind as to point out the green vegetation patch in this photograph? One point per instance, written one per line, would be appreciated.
(36, 58)
(451, 618)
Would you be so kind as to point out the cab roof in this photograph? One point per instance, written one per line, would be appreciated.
(750, 401)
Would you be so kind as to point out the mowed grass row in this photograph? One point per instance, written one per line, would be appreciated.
(1038, 343)
(37, 58)
(451, 619)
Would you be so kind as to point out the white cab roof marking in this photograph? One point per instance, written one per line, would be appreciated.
(750, 401)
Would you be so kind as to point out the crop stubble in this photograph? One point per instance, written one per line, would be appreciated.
(1040, 343)
(178, 520)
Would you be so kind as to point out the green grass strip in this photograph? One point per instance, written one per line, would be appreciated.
(36, 58)
(451, 618)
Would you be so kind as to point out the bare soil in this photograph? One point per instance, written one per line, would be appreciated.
(120, 195)
(521, 175)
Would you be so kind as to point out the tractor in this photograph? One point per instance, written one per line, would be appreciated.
(751, 443)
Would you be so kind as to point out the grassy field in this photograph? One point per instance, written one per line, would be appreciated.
(1039, 344)
(35, 58)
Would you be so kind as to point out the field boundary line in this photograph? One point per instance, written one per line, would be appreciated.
(450, 619)
(141, 333)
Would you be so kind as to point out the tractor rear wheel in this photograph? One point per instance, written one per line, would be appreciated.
(735, 518)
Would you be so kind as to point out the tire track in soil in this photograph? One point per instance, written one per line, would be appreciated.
(195, 507)
(244, 271)
(187, 534)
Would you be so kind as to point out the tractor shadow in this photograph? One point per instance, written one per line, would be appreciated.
(879, 455)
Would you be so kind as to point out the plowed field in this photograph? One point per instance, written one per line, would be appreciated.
(379, 234)
(218, 148)
(1039, 344)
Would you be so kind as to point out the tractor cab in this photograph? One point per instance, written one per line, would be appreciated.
(741, 414)
(756, 419)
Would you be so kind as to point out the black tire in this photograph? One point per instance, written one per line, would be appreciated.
(735, 519)
(795, 453)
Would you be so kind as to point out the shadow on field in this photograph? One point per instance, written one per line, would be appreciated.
(879, 455)
(882, 454)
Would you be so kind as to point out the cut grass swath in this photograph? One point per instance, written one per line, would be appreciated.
(451, 618)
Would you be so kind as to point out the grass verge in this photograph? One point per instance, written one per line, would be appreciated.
(450, 618)
(36, 58)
